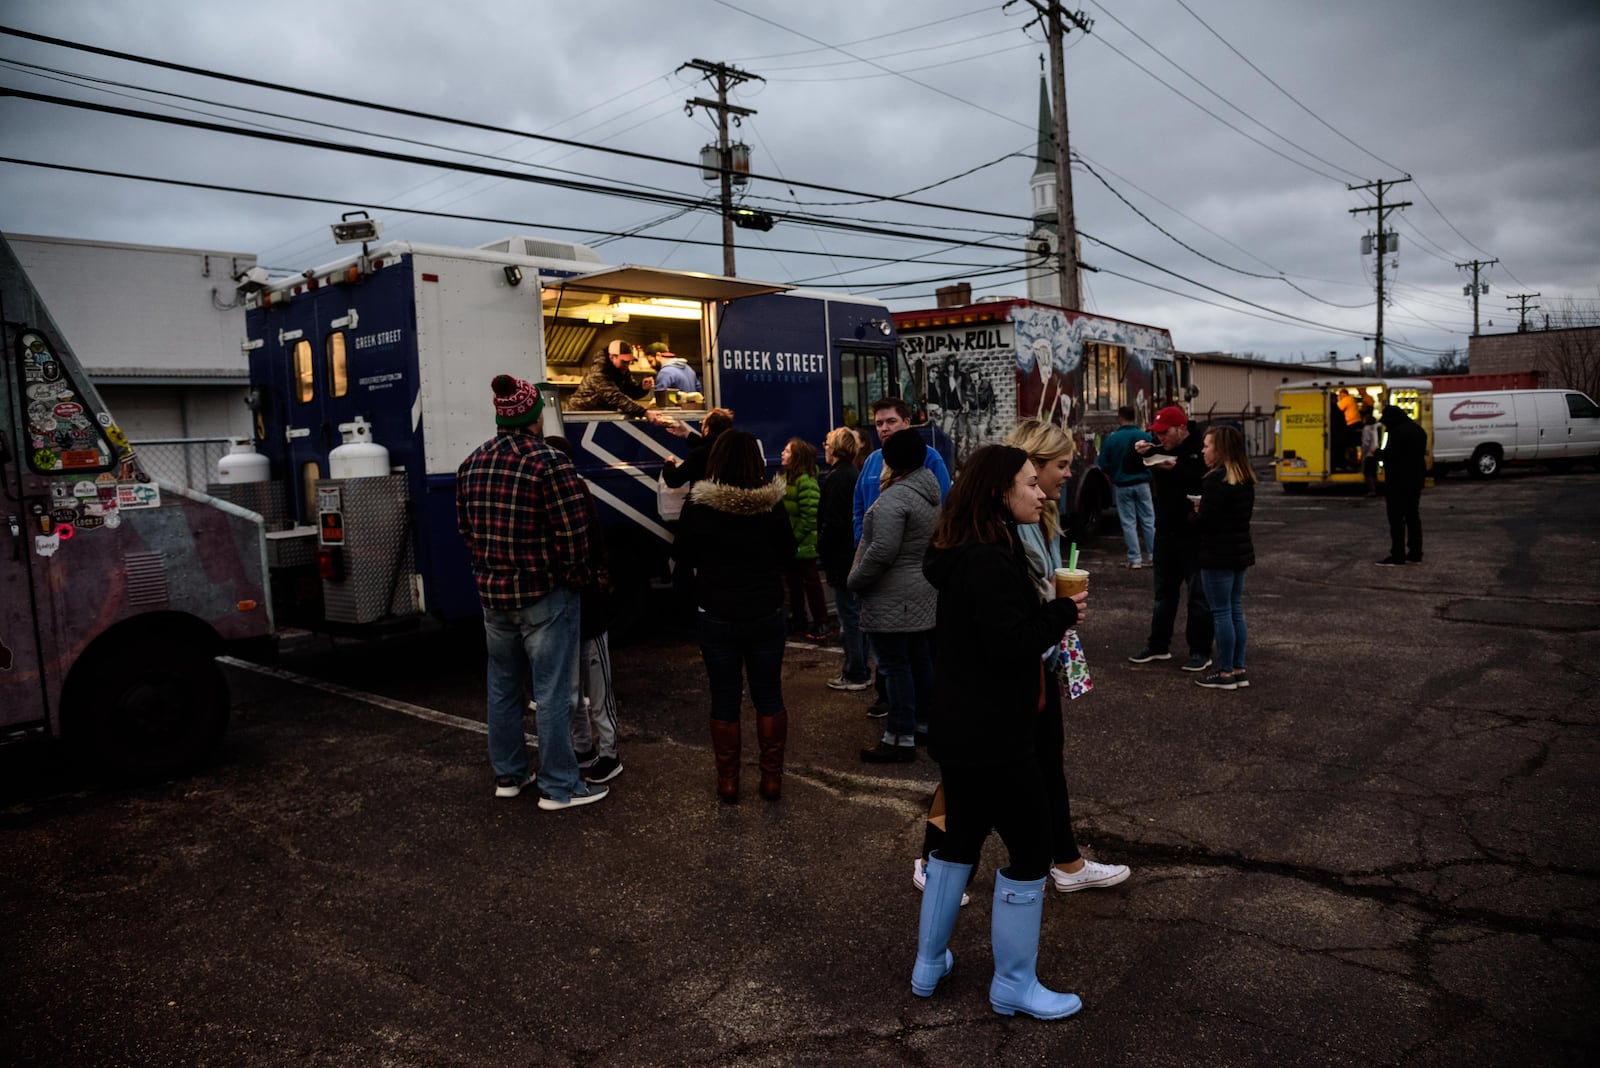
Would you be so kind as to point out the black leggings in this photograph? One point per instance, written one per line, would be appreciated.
(1008, 798)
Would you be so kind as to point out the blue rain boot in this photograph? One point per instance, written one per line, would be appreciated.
(1014, 930)
(941, 901)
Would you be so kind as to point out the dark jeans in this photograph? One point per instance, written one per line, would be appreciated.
(1010, 799)
(905, 663)
(1175, 567)
(805, 592)
(734, 649)
(1404, 504)
(1049, 748)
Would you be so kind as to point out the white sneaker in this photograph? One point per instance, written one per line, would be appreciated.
(1089, 876)
(919, 876)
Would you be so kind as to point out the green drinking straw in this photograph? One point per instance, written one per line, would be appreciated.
(1073, 564)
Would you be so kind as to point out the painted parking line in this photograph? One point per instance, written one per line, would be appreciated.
(403, 707)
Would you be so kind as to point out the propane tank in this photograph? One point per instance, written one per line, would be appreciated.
(359, 456)
(243, 464)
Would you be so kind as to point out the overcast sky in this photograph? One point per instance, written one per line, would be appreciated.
(1489, 107)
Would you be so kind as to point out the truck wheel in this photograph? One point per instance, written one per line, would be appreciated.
(146, 710)
(1485, 462)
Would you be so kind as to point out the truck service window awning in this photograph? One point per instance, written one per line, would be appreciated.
(658, 282)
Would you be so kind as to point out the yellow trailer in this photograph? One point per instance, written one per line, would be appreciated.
(1315, 447)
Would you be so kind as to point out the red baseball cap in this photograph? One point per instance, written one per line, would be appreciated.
(1167, 418)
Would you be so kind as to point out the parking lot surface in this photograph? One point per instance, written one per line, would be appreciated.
(1385, 851)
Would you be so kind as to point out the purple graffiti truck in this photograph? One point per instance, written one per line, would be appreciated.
(117, 591)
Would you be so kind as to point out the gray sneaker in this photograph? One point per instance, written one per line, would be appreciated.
(550, 804)
(1196, 662)
(1145, 655)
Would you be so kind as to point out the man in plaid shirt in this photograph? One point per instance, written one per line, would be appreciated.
(521, 511)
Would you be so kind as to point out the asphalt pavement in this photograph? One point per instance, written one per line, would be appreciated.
(1385, 851)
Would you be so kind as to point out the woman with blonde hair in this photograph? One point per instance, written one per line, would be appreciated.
(1051, 451)
(836, 548)
(802, 498)
(1222, 525)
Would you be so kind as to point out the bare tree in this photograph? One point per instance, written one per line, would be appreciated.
(1572, 349)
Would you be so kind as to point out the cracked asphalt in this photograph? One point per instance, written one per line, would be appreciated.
(1385, 851)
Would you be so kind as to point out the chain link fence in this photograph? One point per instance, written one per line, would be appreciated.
(190, 462)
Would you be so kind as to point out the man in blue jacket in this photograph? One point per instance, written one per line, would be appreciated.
(1131, 489)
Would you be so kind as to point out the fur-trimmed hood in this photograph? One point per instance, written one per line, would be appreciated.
(737, 501)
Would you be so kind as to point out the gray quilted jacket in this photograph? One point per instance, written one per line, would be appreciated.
(887, 573)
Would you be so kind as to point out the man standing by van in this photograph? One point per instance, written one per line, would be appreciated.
(1405, 459)
(521, 509)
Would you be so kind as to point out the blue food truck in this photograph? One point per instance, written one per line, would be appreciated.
(370, 384)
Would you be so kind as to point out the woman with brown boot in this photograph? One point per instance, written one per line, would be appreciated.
(735, 535)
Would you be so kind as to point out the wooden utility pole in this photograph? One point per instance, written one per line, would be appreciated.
(1383, 248)
(1054, 19)
(724, 77)
(1522, 299)
(1475, 290)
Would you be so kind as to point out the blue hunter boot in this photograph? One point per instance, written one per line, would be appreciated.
(1014, 930)
(941, 901)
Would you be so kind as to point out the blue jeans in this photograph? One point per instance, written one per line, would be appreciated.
(544, 635)
(736, 649)
(905, 661)
(1137, 512)
(848, 607)
(1225, 594)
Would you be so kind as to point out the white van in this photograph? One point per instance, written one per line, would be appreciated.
(1483, 430)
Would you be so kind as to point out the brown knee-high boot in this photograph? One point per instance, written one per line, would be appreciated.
(725, 747)
(772, 732)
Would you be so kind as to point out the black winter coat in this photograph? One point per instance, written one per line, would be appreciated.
(1405, 452)
(737, 541)
(990, 632)
(1222, 525)
(836, 546)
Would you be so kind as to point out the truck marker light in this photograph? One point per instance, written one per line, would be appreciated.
(246, 606)
(352, 273)
(430, 278)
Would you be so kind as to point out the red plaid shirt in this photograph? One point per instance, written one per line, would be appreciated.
(521, 510)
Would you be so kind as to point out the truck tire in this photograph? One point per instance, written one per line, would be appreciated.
(145, 710)
(1485, 462)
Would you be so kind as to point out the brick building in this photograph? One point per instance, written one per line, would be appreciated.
(1568, 358)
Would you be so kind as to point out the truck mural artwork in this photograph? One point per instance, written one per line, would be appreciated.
(978, 369)
(391, 352)
(117, 591)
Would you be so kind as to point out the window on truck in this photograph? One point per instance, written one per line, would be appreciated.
(304, 372)
(64, 434)
(1104, 386)
(579, 325)
(863, 378)
(338, 378)
(1579, 406)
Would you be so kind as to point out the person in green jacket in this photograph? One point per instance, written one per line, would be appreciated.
(802, 498)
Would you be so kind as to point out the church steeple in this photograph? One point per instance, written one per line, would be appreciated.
(1044, 283)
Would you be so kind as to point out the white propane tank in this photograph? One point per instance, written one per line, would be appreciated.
(243, 464)
(359, 456)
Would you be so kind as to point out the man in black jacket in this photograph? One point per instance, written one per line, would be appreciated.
(1175, 470)
(608, 387)
(1405, 464)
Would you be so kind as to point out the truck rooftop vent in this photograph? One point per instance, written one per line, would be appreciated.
(522, 245)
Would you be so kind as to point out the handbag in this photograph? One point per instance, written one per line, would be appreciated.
(669, 501)
(1072, 667)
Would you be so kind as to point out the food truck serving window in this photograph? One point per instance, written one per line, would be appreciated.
(1104, 387)
(64, 435)
(581, 324)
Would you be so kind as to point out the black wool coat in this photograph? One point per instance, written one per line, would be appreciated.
(1222, 525)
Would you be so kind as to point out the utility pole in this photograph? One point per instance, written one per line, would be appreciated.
(1383, 248)
(1522, 299)
(1475, 290)
(724, 77)
(1053, 18)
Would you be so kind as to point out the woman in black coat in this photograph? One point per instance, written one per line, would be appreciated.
(735, 535)
(990, 633)
(836, 548)
(1222, 527)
